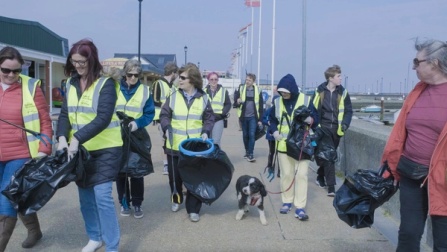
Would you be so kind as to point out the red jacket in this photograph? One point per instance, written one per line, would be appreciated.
(437, 175)
(13, 141)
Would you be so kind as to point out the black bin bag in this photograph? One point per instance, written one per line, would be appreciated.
(325, 150)
(35, 183)
(205, 176)
(261, 130)
(360, 194)
(299, 142)
(137, 160)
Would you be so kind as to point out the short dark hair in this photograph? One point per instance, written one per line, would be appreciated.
(252, 76)
(170, 68)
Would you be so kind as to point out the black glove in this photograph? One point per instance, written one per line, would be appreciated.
(344, 127)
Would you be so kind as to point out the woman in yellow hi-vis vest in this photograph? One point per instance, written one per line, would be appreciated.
(294, 170)
(187, 113)
(88, 118)
(221, 104)
(134, 100)
(23, 104)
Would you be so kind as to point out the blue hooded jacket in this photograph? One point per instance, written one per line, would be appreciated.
(149, 108)
(288, 82)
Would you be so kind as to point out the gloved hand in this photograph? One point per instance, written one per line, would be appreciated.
(277, 136)
(270, 172)
(309, 120)
(41, 155)
(344, 127)
(133, 126)
(73, 148)
(204, 137)
(62, 143)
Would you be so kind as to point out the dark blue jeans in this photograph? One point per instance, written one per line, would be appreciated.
(248, 133)
(413, 214)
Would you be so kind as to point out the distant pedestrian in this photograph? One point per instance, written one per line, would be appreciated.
(221, 104)
(334, 108)
(88, 118)
(161, 90)
(187, 113)
(22, 103)
(135, 100)
(251, 107)
(294, 170)
(416, 150)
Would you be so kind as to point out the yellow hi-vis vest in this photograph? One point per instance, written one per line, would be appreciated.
(186, 123)
(217, 102)
(81, 112)
(30, 113)
(242, 96)
(165, 91)
(134, 106)
(281, 111)
(341, 108)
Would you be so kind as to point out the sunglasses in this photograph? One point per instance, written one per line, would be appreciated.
(183, 77)
(80, 63)
(8, 71)
(129, 75)
(417, 61)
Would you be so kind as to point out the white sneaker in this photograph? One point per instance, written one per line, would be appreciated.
(165, 170)
(194, 217)
(92, 246)
(175, 207)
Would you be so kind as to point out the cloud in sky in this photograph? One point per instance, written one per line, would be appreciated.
(370, 40)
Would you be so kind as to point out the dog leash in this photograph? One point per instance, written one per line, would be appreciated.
(276, 156)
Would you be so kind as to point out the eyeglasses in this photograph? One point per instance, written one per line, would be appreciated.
(129, 75)
(79, 62)
(417, 61)
(183, 77)
(213, 79)
(8, 71)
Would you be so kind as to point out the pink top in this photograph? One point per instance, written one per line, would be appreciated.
(425, 122)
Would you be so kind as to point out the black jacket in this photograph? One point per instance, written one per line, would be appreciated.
(104, 164)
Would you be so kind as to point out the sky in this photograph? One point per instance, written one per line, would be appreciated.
(372, 41)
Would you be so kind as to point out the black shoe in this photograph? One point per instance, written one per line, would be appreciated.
(331, 191)
(250, 158)
(320, 181)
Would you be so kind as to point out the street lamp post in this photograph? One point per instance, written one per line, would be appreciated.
(186, 51)
(139, 31)
(198, 64)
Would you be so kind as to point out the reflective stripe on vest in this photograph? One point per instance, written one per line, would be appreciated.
(81, 112)
(186, 123)
(341, 109)
(165, 91)
(280, 111)
(134, 106)
(243, 96)
(217, 102)
(30, 113)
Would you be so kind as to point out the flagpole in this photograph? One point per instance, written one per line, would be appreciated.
(259, 41)
(273, 46)
(246, 49)
(251, 47)
(303, 74)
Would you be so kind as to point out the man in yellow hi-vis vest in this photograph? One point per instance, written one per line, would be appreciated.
(162, 89)
(250, 103)
(334, 108)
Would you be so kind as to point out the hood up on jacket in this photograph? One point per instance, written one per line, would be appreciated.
(288, 84)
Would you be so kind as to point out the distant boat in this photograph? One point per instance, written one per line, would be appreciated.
(371, 109)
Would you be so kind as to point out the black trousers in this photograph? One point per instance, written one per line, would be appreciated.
(174, 179)
(135, 186)
(192, 204)
(413, 215)
(327, 169)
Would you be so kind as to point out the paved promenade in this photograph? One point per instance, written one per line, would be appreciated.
(162, 230)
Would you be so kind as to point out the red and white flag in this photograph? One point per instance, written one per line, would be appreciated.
(253, 3)
(243, 31)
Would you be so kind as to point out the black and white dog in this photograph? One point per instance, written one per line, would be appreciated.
(250, 191)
